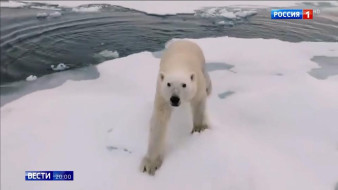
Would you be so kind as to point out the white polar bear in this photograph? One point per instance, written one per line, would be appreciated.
(182, 78)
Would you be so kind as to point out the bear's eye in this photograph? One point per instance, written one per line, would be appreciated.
(184, 85)
(168, 84)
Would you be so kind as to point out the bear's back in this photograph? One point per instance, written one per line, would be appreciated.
(182, 54)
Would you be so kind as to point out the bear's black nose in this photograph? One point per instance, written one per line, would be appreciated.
(175, 101)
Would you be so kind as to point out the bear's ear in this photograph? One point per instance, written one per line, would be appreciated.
(192, 77)
(161, 76)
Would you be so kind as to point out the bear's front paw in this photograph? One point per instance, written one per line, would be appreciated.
(151, 165)
(199, 128)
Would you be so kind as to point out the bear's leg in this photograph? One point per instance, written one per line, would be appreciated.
(158, 128)
(200, 119)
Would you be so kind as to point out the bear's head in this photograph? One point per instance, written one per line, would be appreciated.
(177, 88)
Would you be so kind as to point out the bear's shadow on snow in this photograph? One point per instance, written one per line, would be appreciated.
(21, 88)
(328, 67)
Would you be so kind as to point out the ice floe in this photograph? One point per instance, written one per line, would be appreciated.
(31, 78)
(59, 67)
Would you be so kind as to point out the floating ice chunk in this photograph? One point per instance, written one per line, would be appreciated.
(212, 12)
(45, 15)
(224, 12)
(168, 8)
(42, 15)
(244, 14)
(109, 54)
(46, 8)
(227, 14)
(207, 12)
(222, 22)
(31, 78)
(59, 67)
(87, 9)
(55, 14)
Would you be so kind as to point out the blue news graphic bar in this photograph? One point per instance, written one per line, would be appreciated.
(49, 175)
(286, 13)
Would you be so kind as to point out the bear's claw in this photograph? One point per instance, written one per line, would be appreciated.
(151, 165)
(199, 128)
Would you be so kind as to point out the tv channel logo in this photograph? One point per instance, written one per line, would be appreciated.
(291, 14)
(49, 175)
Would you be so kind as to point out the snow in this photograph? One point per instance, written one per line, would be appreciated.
(215, 12)
(59, 67)
(268, 131)
(244, 14)
(225, 12)
(87, 9)
(31, 78)
(164, 7)
(11, 4)
(46, 8)
(176, 7)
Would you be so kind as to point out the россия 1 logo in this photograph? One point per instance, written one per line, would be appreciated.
(291, 14)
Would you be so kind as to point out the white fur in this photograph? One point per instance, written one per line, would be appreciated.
(182, 63)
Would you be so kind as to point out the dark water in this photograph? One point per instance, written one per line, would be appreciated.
(29, 46)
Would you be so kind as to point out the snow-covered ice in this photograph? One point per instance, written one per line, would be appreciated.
(31, 78)
(164, 7)
(273, 132)
(87, 9)
(244, 14)
(224, 12)
(11, 4)
(59, 67)
(46, 8)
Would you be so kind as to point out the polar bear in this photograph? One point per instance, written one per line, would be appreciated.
(182, 78)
